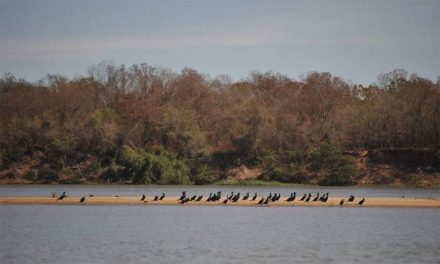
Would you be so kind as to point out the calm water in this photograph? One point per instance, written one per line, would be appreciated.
(186, 234)
(205, 234)
(138, 190)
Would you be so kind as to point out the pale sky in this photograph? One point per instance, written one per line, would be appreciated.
(356, 40)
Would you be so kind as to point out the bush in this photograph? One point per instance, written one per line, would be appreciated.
(283, 167)
(336, 168)
(161, 167)
(114, 173)
(47, 175)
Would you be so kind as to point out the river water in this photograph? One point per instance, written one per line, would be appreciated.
(216, 234)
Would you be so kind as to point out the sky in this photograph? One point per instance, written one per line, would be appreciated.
(356, 40)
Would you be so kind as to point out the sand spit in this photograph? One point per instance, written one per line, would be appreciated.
(332, 202)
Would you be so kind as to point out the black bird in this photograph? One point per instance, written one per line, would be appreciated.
(292, 197)
(324, 198)
(193, 197)
(230, 197)
(255, 197)
(184, 201)
(270, 196)
(82, 199)
(361, 202)
(261, 200)
(316, 198)
(62, 196)
(143, 197)
(115, 196)
(91, 195)
(246, 196)
(236, 197)
(183, 196)
(266, 201)
(156, 198)
(225, 201)
(209, 198)
(351, 199)
(199, 198)
(342, 202)
(162, 196)
(308, 197)
(217, 196)
(304, 197)
(275, 197)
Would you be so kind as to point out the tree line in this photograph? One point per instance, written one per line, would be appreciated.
(147, 124)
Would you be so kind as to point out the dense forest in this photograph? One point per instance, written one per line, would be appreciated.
(144, 124)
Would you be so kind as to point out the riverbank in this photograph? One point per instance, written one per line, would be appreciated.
(332, 202)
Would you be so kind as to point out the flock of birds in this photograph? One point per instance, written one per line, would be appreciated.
(233, 198)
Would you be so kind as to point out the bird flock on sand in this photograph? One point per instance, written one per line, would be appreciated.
(233, 198)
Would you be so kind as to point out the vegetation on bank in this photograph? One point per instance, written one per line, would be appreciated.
(149, 125)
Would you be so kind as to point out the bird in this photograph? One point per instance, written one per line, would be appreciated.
(156, 198)
(225, 201)
(351, 199)
(246, 197)
(255, 197)
(62, 196)
(230, 197)
(270, 196)
(143, 197)
(292, 197)
(276, 197)
(308, 197)
(162, 196)
(193, 197)
(82, 199)
(267, 200)
(361, 202)
(261, 201)
(324, 198)
(185, 200)
(209, 198)
(91, 195)
(216, 196)
(316, 198)
(236, 197)
(342, 202)
(115, 196)
(183, 196)
(304, 197)
(199, 198)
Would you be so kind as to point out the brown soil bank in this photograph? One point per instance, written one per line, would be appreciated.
(332, 202)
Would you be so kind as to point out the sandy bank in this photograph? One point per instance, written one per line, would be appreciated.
(333, 201)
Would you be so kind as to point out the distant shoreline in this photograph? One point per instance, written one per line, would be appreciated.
(384, 202)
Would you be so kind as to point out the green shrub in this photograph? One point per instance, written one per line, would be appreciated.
(161, 167)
